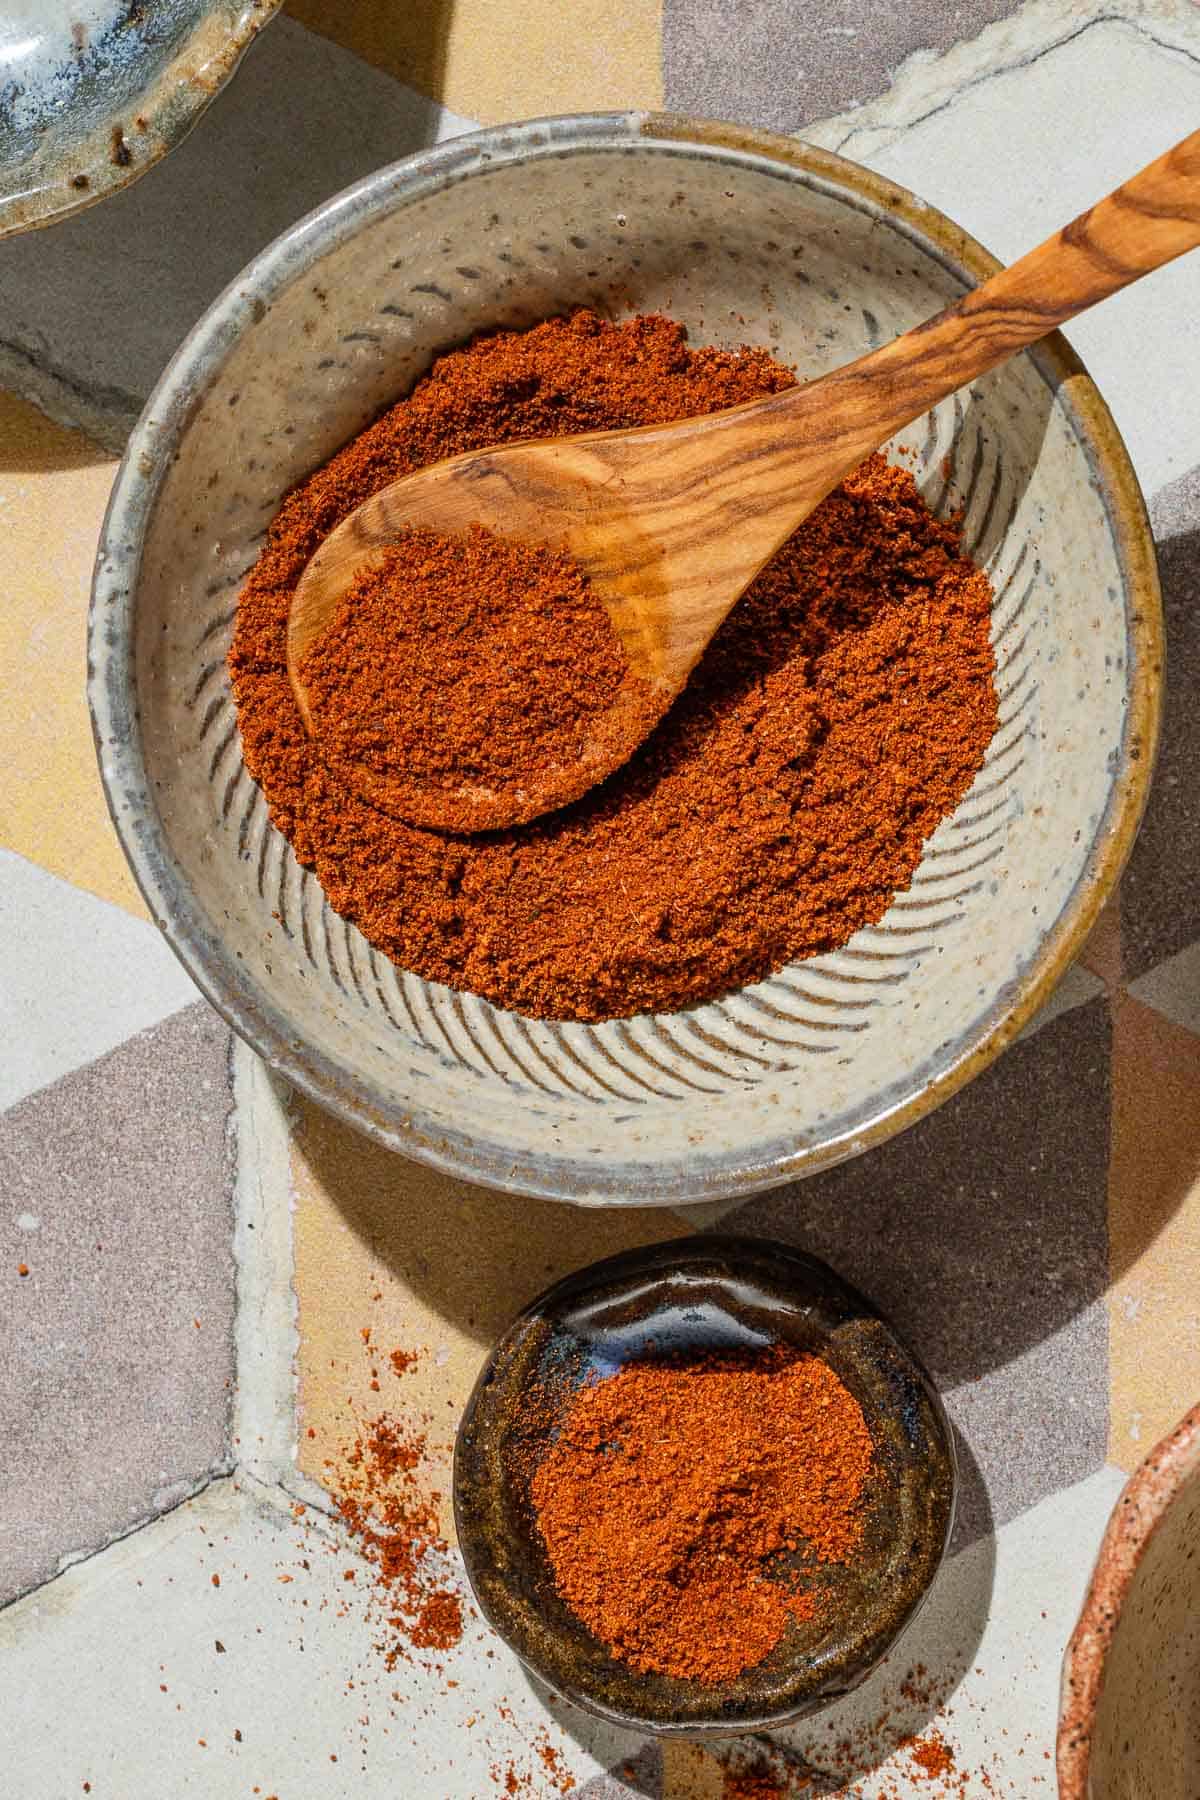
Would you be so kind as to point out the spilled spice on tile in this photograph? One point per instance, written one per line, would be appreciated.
(379, 1489)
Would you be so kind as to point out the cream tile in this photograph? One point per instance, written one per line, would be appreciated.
(1173, 988)
(53, 490)
(77, 976)
(1016, 150)
(1154, 1229)
(423, 1263)
(535, 57)
(134, 1673)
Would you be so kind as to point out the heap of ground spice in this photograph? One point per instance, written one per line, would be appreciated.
(840, 713)
(675, 1494)
(483, 662)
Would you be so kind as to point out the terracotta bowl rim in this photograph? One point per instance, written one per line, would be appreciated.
(1141, 1507)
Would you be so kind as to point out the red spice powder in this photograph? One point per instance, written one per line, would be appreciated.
(383, 1502)
(841, 712)
(475, 664)
(674, 1490)
(932, 1755)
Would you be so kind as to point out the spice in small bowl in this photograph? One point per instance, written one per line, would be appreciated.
(702, 1488)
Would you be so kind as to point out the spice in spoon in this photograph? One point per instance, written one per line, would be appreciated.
(476, 662)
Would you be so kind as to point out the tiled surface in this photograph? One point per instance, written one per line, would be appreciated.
(1037, 1239)
(764, 63)
(116, 1379)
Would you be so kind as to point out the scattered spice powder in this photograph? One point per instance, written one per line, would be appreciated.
(396, 1525)
(840, 713)
(674, 1491)
(380, 1494)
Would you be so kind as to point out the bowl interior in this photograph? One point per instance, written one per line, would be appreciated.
(813, 260)
(686, 1298)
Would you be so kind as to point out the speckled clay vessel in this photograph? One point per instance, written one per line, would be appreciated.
(746, 237)
(1129, 1728)
(693, 1295)
(94, 92)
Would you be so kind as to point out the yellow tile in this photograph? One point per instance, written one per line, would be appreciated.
(690, 1773)
(54, 485)
(1154, 1229)
(495, 63)
(427, 1264)
(1102, 952)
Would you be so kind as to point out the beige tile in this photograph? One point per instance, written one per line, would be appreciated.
(424, 1263)
(496, 64)
(1173, 987)
(54, 486)
(1154, 1229)
(690, 1773)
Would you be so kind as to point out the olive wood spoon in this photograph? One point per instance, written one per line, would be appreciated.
(671, 523)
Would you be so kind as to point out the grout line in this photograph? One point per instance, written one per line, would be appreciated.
(926, 84)
(265, 1331)
(219, 1476)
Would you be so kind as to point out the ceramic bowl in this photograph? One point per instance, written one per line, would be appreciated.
(95, 91)
(1129, 1728)
(689, 1297)
(746, 237)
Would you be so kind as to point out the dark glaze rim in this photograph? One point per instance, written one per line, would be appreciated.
(811, 1307)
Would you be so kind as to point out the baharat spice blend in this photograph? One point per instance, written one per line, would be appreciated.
(840, 713)
(674, 1492)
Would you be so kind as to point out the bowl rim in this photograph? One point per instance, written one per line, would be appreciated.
(171, 103)
(656, 1261)
(1140, 1509)
(392, 1119)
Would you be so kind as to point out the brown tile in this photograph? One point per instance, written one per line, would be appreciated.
(1154, 1229)
(116, 1355)
(1102, 953)
(427, 1264)
(769, 62)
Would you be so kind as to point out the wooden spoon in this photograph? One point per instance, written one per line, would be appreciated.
(671, 523)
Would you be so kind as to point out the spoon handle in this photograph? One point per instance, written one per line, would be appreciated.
(1146, 222)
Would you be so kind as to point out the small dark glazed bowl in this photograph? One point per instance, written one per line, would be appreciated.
(697, 1295)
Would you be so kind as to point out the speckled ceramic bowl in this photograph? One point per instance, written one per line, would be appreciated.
(687, 1298)
(1129, 1727)
(745, 237)
(95, 91)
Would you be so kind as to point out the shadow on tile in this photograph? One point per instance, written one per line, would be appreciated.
(1160, 896)
(982, 1230)
(410, 41)
(91, 311)
(473, 1255)
(31, 443)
